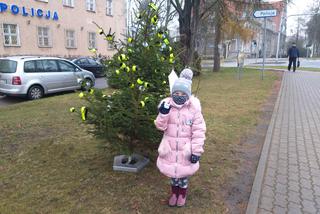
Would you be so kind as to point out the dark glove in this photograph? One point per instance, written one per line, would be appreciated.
(164, 108)
(194, 158)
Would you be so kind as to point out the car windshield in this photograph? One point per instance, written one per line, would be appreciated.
(7, 66)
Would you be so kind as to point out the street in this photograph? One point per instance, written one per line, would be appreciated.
(5, 101)
(306, 63)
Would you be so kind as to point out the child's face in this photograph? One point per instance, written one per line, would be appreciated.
(179, 93)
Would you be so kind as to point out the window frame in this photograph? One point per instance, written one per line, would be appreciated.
(109, 6)
(90, 3)
(10, 35)
(48, 36)
(65, 3)
(90, 40)
(68, 38)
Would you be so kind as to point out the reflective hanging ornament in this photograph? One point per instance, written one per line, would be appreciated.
(84, 113)
(130, 40)
(139, 81)
(154, 19)
(72, 109)
(160, 34)
(117, 72)
(100, 31)
(134, 68)
(145, 44)
(153, 6)
(81, 95)
(142, 103)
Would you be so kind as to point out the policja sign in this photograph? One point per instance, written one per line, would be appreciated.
(265, 13)
(15, 10)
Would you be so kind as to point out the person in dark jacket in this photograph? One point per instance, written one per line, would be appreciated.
(293, 54)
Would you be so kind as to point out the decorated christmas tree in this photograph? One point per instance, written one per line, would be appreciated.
(139, 72)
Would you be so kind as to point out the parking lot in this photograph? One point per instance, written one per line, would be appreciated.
(4, 100)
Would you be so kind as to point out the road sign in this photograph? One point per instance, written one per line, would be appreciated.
(265, 13)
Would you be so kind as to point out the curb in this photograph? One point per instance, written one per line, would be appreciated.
(253, 203)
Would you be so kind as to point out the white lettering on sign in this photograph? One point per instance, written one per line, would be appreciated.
(265, 13)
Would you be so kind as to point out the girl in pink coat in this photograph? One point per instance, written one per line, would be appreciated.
(184, 128)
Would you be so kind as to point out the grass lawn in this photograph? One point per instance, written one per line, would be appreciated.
(285, 67)
(50, 164)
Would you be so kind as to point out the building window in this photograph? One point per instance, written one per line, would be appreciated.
(109, 8)
(91, 5)
(44, 37)
(70, 39)
(69, 3)
(92, 40)
(110, 46)
(11, 35)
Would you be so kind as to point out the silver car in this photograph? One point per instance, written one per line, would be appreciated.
(36, 76)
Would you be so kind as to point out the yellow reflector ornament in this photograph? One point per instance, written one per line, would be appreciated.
(122, 65)
(153, 6)
(146, 84)
(171, 55)
(166, 41)
(142, 103)
(84, 112)
(164, 82)
(117, 72)
(130, 39)
(72, 109)
(160, 34)
(171, 60)
(93, 50)
(139, 81)
(146, 98)
(122, 57)
(132, 85)
(81, 95)
(170, 48)
(134, 68)
(154, 19)
(109, 37)
(91, 91)
(128, 69)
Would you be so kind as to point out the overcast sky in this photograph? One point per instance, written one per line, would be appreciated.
(297, 7)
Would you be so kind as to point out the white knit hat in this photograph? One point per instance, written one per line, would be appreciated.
(184, 82)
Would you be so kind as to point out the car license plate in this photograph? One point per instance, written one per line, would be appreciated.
(3, 81)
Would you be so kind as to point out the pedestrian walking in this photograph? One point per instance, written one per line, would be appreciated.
(184, 128)
(293, 54)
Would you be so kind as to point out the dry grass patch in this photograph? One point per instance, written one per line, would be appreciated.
(49, 163)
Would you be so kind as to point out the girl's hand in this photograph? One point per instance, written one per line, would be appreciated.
(164, 108)
(194, 158)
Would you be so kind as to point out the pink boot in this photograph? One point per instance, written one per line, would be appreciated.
(174, 196)
(182, 197)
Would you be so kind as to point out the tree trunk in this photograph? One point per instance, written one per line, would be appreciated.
(217, 40)
(168, 13)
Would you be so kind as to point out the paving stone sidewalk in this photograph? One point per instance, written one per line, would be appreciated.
(288, 175)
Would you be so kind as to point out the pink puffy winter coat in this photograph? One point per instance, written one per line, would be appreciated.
(184, 134)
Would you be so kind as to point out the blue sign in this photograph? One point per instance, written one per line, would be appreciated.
(16, 10)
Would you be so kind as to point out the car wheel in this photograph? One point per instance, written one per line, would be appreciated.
(35, 92)
(86, 84)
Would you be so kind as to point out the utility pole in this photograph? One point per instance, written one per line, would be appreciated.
(298, 30)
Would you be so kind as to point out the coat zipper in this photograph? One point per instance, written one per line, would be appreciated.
(175, 170)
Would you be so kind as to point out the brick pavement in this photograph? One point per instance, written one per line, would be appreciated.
(288, 175)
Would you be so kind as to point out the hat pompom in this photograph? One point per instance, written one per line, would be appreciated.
(186, 74)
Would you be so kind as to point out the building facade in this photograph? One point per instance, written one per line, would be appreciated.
(63, 28)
